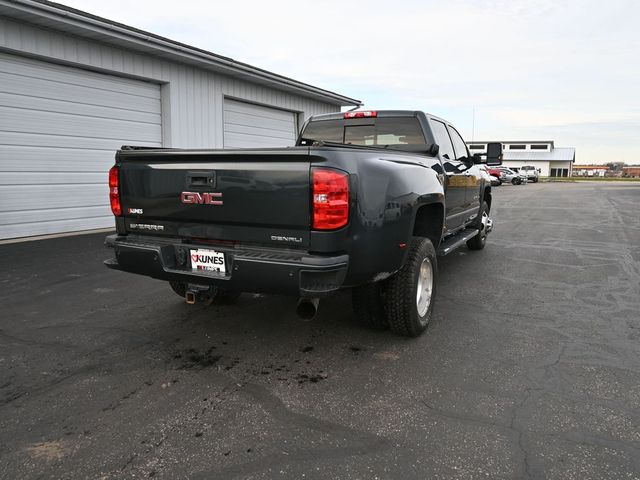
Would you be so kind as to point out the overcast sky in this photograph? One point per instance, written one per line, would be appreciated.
(558, 70)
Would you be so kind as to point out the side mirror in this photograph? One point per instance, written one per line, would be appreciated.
(476, 158)
(433, 149)
(494, 153)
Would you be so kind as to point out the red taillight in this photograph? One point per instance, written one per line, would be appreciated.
(114, 191)
(367, 114)
(330, 199)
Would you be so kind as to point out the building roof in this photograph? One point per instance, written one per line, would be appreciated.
(556, 154)
(76, 22)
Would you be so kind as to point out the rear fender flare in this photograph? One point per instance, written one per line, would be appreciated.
(429, 220)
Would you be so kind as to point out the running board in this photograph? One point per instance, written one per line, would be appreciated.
(457, 240)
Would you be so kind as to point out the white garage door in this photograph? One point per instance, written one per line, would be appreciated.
(253, 126)
(59, 129)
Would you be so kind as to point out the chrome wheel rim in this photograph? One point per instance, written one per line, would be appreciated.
(485, 222)
(425, 287)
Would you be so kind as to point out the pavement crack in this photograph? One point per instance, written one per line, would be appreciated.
(556, 361)
(280, 411)
(49, 385)
(520, 432)
(362, 442)
(526, 467)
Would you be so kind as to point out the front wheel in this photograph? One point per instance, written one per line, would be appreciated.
(410, 292)
(478, 242)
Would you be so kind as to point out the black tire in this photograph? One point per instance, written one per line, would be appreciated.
(515, 181)
(368, 305)
(401, 299)
(478, 242)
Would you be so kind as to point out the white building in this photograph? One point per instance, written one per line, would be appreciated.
(552, 161)
(590, 170)
(75, 87)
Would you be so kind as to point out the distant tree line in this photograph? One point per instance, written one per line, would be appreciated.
(616, 166)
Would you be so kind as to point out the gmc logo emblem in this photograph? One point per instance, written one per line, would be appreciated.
(191, 198)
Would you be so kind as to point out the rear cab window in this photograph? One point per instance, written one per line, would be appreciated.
(400, 133)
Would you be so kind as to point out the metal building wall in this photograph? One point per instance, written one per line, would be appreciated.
(192, 98)
(59, 127)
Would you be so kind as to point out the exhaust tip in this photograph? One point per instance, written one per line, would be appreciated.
(307, 308)
(190, 298)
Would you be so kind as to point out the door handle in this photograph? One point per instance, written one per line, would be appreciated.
(201, 179)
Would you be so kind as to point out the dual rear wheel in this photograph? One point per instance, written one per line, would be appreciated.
(403, 302)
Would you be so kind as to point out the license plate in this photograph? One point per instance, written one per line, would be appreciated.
(203, 260)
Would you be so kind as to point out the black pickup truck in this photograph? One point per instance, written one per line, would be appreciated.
(365, 200)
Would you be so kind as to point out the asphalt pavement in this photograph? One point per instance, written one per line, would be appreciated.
(530, 368)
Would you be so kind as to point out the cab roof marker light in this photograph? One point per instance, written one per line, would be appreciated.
(361, 114)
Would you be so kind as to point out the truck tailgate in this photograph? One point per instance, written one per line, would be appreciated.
(256, 197)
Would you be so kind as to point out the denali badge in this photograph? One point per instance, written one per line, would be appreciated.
(143, 226)
(206, 198)
(278, 238)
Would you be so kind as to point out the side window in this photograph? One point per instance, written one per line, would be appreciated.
(442, 139)
(458, 144)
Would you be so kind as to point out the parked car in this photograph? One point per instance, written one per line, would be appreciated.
(523, 176)
(511, 176)
(365, 200)
(532, 173)
(495, 174)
